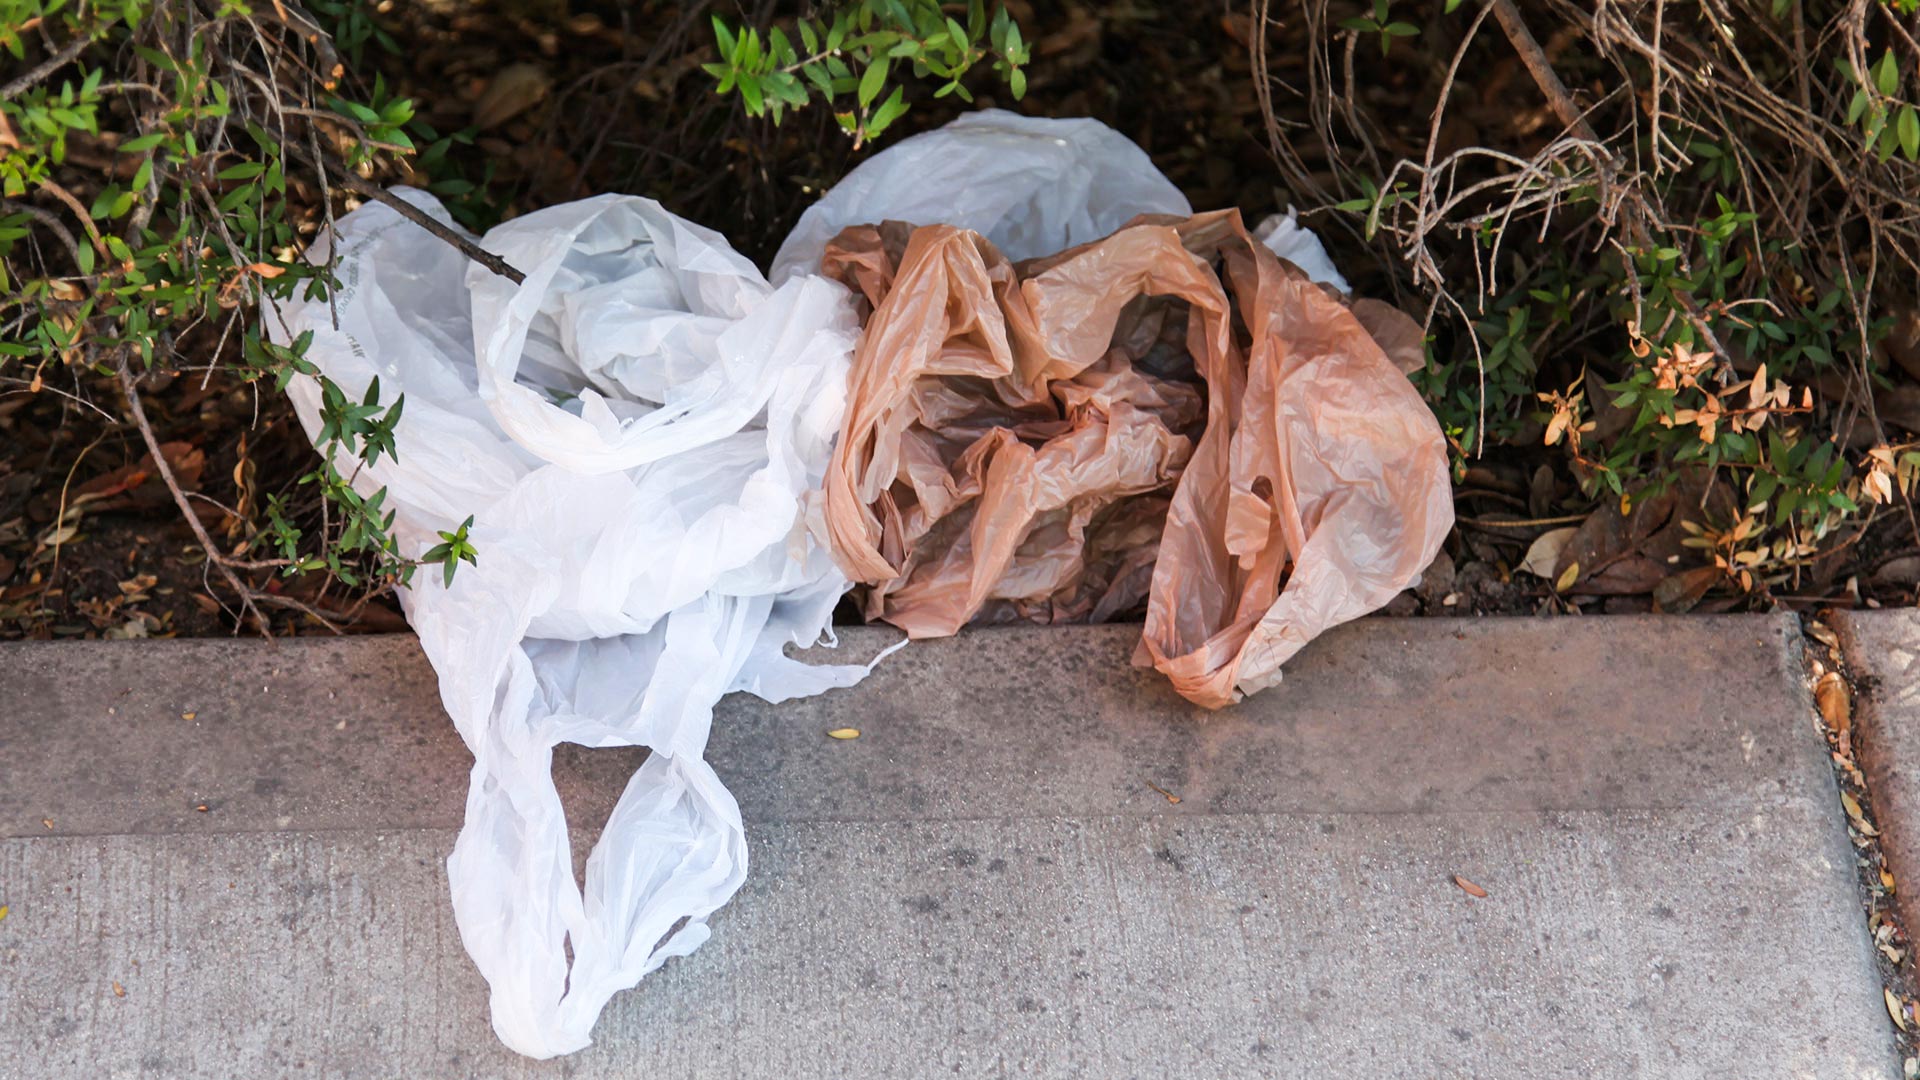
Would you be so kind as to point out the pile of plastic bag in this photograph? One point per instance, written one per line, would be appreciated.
(972, 387)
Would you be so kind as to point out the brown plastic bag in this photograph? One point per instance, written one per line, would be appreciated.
(1034, 442)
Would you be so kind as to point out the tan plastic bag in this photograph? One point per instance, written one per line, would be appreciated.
(1056, 440)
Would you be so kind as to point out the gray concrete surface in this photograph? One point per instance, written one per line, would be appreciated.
(1882, 649)
(983, 884)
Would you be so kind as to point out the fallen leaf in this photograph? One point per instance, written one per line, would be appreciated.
(1820, 632)
(517, 88)
(1567, 578)
(1895, 1008)
(188, 715)
(202, 807)
(1544, 554)
(3, 912)
(1852, 806)
(1886, 879)
(119, 991)
(1469, 887)
(1677, 593)
(266, 269)
(844, 733)
(1836, 704)
(47, 821)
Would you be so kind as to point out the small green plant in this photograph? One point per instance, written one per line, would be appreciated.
(146, 211)
(1380, 23)
(847, 60)
(1886, 123)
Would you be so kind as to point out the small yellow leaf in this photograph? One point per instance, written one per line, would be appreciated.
(844, 733)
(3, 912)
(188, 715)
(1895, 1008)
(1886, 879)
(1852, 804)
(1567, 577)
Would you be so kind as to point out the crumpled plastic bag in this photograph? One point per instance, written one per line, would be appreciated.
(636, 431)
(1030, 185)
(1028, 441)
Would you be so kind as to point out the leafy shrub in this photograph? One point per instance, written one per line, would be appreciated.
(1692, 273)
(851, 55)
(163, 166)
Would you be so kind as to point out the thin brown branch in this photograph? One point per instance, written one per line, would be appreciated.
(46, 67)
(139, 413)
(418, 216)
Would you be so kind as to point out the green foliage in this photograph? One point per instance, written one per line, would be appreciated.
(148, 208)
(847, 59)
(1387, 28)
(1673, 405)
(1887, 124)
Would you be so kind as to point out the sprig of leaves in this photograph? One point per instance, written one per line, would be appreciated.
(1886, 123)
(1382, 24)
(846, 61)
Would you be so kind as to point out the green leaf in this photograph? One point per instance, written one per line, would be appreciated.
(888, 112)
(872, 80)
(1017, 82)
(1886, 74)
(723, 36)
(143, 143)
(246, 170)
(1909, 125)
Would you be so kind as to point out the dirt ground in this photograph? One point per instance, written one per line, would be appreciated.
(568, 101)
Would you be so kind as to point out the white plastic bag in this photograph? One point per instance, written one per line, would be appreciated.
(636, 436)
(1032, 186)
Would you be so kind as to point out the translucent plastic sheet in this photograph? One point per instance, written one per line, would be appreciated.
(1166, 415)
(1031, 185)
(635, 434)
(1018, 438)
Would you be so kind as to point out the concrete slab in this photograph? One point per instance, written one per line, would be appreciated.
(983, 884)
(1882, 650)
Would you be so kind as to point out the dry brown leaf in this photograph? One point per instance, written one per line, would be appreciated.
(517, 88)
(1895, 1008)
(266, 269)
(1544, 553)
(119, 991)
(1821, 633)
(1836, 704)
(1168, 795)
(1852, 806)
(1677, 593)
(1886, 879)
(1469, 887)
(844, 733)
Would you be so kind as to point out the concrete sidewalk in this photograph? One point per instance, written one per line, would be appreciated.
(984, 883)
